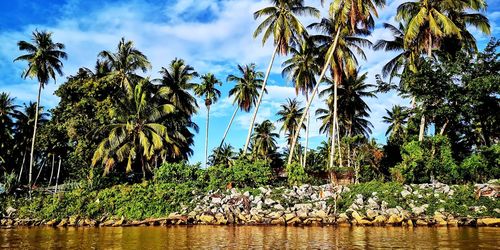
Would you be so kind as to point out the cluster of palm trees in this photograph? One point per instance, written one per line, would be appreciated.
(152, 119)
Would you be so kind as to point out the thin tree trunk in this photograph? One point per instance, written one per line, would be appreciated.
(441, 132)
(315, 90)
(34, 135)
(307, 134)
(22, 166)
(206, 136)
(228, 126)
(334, 131)
(39, 172)
(349, 147)
(341, 163)
(250, 128)
(422, 128)
(52, 171)
(332, 146)
(58, 172)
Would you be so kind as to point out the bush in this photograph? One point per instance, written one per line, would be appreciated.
(242, 174)
(178, 173)
(296, 174)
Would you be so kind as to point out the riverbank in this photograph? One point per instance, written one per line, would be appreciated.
(366, 204)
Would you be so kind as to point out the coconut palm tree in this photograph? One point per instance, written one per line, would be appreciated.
(396, 118)
(289, 115)
(44, 62)
(7, 111)
(345, 13)
(224, 155)
(124, 63)
(136, 134)
(302, 69)
(207, 89)
(245, 91)
(23, 128)
(282, 23)
(264, 139)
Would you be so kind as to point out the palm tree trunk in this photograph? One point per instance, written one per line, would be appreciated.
(444, 127)
(307, 138)
(334, 130)
(332, 146)
(206, 135)
(315, 90)
(52, 171)
(268, 72)
(22, 165)
(349, 156)
(341, 163)
(228, 126)
(39, 172)
(422, 129)
(34, 135)
(58, 172)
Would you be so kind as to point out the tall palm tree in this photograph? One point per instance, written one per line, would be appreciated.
(344, 13)
(44, 62)
(124, 63)
(207, 89)
(289, 115)
(302, 68)
(136, 134)
(264, 139)
(282, 23)
(24, 125)
(245, 91)
(396, 118)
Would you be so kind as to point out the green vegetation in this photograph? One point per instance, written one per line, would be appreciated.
(122, 138)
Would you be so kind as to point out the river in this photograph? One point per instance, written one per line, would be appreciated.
(249, 237)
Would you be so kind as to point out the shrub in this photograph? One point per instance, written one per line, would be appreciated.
(296, 174)
(177, 173)
(243, 173)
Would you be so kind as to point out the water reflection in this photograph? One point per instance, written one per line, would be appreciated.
(249, 237)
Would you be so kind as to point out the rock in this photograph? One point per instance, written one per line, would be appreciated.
(247, 194)
(371, 214)
(279, 207)
(372, 203)
(52, 222)
(489, 222)
(405, 193)
(63, 223)
(10, 211)
(394, 219)
(108, 223)
(221, 219)
(278, 221)
(421, 222)
(207, 219)
(440, 219)
(290, 216)
(419, 210)
(73, 220)
(269, 201)
(275, 215)
(294, 221)
(379, 220)
(216, 200)
(320, 214)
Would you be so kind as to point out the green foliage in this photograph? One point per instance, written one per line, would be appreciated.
(177, 173)
(424, 161)
(243, 173)
(296, 174)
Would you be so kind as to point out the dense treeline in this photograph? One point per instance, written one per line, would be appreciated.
(116, 121)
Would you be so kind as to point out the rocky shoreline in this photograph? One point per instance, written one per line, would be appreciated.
(301, 206)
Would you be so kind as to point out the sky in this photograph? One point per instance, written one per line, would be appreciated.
(211, 35)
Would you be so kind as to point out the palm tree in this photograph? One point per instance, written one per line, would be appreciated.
(302, 68)
(245, 91)
(207, 89)
(343, 12)
(282, 23)
(289, 115)
(24, 125)
(396, 118)
(264, 139)
(44, 61)
(124, 62)
(7, 111)
(224, 155)
(136, 134)
(176, 83)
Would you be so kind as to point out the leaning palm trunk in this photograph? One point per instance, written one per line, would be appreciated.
(206, 136)
(321, 76)
(307, 138)
(52, 171)
(334, 129)
(247, 143)
(58, 172)
(22, 165)
(422, 120)
(228, 126)
(34, 135)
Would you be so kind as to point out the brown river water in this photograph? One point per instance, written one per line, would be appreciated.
(250, 237)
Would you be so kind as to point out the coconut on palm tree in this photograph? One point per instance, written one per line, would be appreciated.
(207, 89)
(44, 62)
(280, 21)
(136, 134)
(359, 15)
(245, 91)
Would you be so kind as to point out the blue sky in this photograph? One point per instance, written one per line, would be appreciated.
(211, 35)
